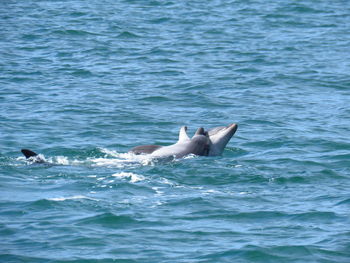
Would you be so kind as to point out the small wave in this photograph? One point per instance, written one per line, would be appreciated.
(74, 197)
(248, 252)
(344, 202)
(160, 20)
(155, 99)
(81, 73)
(304, 9)
(108, 220)
(315, 216)
(127, 35)
(133, 177)
(73, 32)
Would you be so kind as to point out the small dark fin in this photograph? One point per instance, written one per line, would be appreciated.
(145, 149)
(28, 153)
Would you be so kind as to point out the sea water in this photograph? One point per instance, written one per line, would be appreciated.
(82, 82)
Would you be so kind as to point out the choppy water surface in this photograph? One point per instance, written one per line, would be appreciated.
(81, 82)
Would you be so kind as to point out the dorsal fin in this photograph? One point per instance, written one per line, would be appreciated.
(200, 131)
(28, 153)
(183, 134)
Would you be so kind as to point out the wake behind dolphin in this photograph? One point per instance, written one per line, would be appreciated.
(203, 143)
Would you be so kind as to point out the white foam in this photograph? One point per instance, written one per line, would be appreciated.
(211, 191)
(132, 176)
(109, 152)
(74, 197)
(166, 181)
(158, 192)
(39, 157)
(111, 159)
(101, 178)
(107, 162)
(190, 156)
(63, 160)
(120, 160)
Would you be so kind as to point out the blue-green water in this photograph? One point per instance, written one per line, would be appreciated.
(83, 81)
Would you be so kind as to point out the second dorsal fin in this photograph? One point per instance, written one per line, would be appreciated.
(200, 131)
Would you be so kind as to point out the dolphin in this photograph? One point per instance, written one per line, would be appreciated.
(219, 138)
(203, 143)
(198, 145)
(33, 156)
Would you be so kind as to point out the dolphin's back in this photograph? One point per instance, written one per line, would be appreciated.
(198, 145)
(145, 149)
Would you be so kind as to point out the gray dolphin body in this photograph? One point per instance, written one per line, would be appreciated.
(198, 145)
(211, 143)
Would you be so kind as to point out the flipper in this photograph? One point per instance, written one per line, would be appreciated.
(145, 149)
(28, 153)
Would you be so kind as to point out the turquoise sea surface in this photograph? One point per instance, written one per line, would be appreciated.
(82, 82)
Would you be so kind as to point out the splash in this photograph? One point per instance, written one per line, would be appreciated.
(60, 160)
(110, 158)
(132, 176)
(120, 160)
